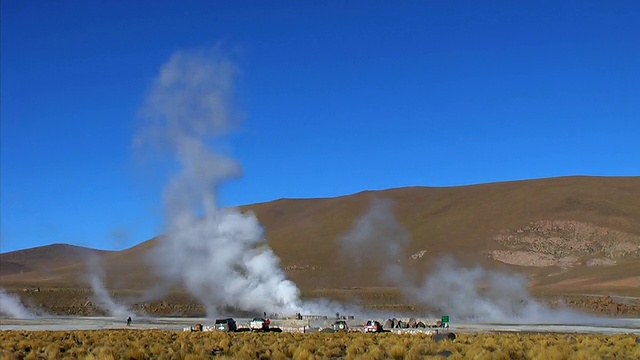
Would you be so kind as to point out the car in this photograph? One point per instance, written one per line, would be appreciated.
(259, 324)
(372, 326)
(340, 325)
(227, 324)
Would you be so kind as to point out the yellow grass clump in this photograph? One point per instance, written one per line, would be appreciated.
(156, 344)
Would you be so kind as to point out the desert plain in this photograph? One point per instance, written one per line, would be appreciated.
(571, 243)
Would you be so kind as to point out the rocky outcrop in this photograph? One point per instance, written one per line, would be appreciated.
(564, 244)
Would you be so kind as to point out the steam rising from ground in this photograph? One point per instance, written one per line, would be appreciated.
(10, 305)
(378, 229)
(470, 294)
(479, 294)
(219, 255)
(101, 294)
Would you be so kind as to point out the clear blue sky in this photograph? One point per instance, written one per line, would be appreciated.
(339, 97)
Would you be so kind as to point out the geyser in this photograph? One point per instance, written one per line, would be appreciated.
(468, 293)
(10, 305)
(219, 255)
(95, 277)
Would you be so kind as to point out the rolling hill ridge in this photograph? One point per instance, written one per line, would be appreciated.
(577, 234)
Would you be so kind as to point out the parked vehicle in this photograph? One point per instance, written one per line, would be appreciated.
(259, 324)
(340, 325)
(373, 326)
(227, 324)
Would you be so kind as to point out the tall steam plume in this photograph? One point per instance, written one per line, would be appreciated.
(101, 294)
(219, 255)
(10, 305)
(471, 294)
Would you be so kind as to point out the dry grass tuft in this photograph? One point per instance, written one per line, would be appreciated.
(145, 344)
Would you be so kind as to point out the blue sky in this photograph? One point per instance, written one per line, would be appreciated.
(338, 97)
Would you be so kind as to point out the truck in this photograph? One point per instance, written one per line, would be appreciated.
(259, 324)
(372, 326)
(340, 325)
(227, 324)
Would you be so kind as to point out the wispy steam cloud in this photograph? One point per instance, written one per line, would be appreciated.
(377, 239)
(219, 255)
(479, 294)
(471, 294)
(10, 305)
(101, 294)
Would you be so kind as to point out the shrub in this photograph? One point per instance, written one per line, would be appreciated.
(142, 344)
(398, 352)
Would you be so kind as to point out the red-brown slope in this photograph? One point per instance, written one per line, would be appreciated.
(44, 258)
(464, 221)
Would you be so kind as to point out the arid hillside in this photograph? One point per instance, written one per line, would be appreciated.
(44, 259)
(570, 234)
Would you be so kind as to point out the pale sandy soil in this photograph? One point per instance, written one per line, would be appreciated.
(605, 326)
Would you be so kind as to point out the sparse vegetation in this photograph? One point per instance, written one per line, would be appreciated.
(79, 301)
(136, 344)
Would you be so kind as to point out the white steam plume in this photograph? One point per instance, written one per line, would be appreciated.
(482, 295)
(101, 294)
(378, 239)
(219, 255)
(10, 305)
(469, 294)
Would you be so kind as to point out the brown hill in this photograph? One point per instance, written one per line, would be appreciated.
(574, 233)
(44, 259)
(471, 222)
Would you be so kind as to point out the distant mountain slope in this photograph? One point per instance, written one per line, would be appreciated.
(583, 227)
(10, 267)
(44, 258)
(465, 221)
